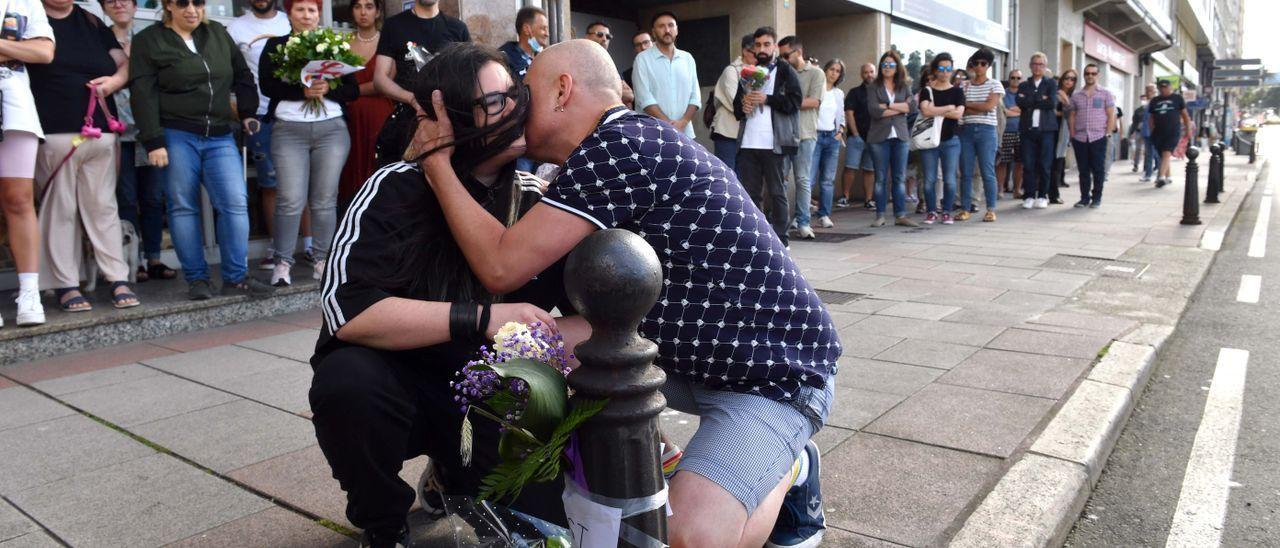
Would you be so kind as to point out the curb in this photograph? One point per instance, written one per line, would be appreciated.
(1038, 500)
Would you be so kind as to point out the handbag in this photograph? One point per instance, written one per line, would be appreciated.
(927, 131)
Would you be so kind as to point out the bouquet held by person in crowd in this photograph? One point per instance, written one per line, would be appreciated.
(316, 55)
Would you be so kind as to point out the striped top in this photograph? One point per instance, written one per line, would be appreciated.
(979, 93)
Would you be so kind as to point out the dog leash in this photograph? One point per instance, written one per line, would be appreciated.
(88, 131)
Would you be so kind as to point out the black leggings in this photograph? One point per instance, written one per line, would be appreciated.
(375, 409)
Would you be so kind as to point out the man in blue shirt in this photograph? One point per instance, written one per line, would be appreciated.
(666, 78)
(744, 339)
(532, 34)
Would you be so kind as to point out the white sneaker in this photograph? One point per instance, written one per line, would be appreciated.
(30, 311)
(825, 222)
(806, 232)
(280, 275)
(1042, 203)
(1028, 203)
(318, 271)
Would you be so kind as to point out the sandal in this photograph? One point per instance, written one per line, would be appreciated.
(161, 271)
(72, 304)
(123, 299)
(142, 275)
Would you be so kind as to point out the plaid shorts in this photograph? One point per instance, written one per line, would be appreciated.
(1010, 148)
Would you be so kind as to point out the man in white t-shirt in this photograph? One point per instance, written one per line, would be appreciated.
(978, 137)
(250, 32)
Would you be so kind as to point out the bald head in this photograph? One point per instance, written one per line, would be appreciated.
(589, 65)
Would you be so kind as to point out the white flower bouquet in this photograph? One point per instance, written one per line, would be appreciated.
(321, 53)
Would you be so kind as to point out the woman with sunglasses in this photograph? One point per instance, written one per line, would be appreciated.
(403, 312)
(309, 146)
(978, 138)
(889, 104)
(1066, 88)
(182, 74)
(940, 98)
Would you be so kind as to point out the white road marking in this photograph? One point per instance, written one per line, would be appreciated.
(1250, 289)
(1258, 244)
(1212, 240)
(1202, 505)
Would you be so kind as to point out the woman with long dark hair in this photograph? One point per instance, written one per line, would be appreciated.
(1066, 87)
(403, 311)
(941, 98)
(889, 105)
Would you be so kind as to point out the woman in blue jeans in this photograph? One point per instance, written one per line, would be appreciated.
(308, 148)
(182, 75)
(978, 138)
(826, 155)
(940, 98)
(889, 101)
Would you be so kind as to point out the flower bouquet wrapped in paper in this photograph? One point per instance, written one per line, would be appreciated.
(319, 53)
(753, 77)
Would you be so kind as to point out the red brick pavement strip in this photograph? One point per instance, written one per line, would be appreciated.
(307, 318)
(222, 336)
(83, 362)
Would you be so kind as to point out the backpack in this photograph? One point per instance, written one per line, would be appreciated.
(709, 110)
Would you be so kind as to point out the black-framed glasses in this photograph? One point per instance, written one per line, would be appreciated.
(183, 4)
(1090, 74)
(603, 34)
(493, 103)
(642, 43)
(1071, 78)
(981, 64)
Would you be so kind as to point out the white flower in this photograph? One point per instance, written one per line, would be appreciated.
(510, 333)
(319, 48)
(346, 46)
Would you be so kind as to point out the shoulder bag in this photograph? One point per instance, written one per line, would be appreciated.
(927, 131)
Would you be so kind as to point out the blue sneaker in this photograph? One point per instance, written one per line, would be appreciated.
(801, 521)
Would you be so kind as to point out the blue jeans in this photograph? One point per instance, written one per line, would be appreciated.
(949, 153)
(1150, 159)
(1092, 159)
(215, 162)
(141, 199)
(1037, 162)
(726, 151)
(978, 141)
(890, 157)
(800, 169)
(826, 160)
(259, 145)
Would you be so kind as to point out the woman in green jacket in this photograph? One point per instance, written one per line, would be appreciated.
(182, 75)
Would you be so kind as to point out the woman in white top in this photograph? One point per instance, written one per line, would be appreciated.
(25, 37)
(826, 154)
(308, 149)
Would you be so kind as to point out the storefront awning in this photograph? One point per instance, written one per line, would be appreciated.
(1142, 25)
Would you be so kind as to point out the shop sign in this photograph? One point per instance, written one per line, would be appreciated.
(937, 15)
(1101, 45)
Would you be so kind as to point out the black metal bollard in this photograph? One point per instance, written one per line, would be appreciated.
(1253, 149)
(613, 278)
(1214, 185)
(1191, 194)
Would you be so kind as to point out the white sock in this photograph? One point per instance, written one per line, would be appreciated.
(306, 243)
(28, 281)
(803, 474)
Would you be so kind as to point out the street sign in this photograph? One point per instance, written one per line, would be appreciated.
(1245, 73)
(1237, 83)
(1236, 62)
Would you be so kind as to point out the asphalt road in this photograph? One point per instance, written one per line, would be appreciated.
(1202, 441)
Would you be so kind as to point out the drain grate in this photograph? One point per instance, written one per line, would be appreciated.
(838, 297)
(1106, 267)
(835, 237)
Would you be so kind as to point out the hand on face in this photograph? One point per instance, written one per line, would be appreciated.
(432, 133)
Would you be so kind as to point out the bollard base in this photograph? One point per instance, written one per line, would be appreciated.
(1191, 221)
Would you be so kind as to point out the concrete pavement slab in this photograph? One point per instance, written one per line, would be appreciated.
(831, 437)
(37, 539)
(845, 319)
(916, 273)
(311, 319)
(284, 387)
(927, 353)
(20, 406)
(145, 400)
(52, 450)
(274, 527)
(957, 333)
(1050, 344)
(222, 336)
(864, 306)
(962, 295)
(854, 407)
(1057, 288)
(303, 478)
(864, 345)
(217, 364)
(857, 283)
(904, 492)
(232, 435)
(82, 362)
(995, 314)
(1031, 301)
(982, 421)
(884, 377)
(144, 502)
(842, 538)
(295, 345)
(679, 427)
(13, 524)
(96, 379)
(1018, 373)
(920, 311)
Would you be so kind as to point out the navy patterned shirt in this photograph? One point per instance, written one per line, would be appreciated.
(734, 312)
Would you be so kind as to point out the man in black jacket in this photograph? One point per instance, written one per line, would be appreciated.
(770, 130)
(1037, 98)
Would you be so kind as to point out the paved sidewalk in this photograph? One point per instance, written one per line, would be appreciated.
(959, 347)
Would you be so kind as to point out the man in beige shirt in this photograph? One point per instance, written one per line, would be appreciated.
(724, 130)
(813, 82)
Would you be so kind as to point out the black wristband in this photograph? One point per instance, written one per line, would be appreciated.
(483, 326)
(462, 322)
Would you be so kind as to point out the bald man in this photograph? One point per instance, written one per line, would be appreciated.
(744, 339)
